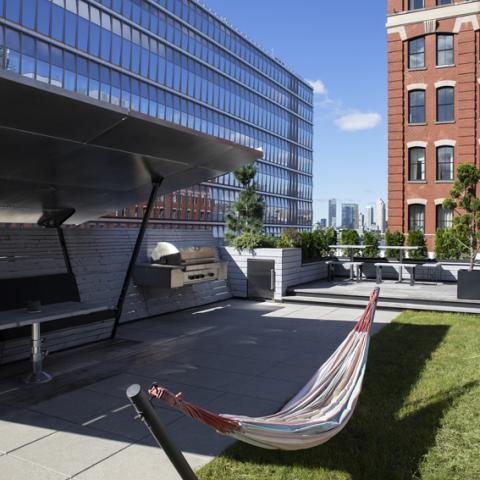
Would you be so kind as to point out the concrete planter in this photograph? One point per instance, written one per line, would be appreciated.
(289, 269)
(468, 285)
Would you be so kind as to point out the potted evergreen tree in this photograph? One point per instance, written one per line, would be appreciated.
(465, 202)
(245, 221)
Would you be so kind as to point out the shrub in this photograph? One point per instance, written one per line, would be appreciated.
(250, 240)
(309, 242)
(290, 238)
(330, 235)
(373, 239)
(245, 220)
(393, 239)
(449, 245)
(464, 200)
(350, 237)
(416, 238)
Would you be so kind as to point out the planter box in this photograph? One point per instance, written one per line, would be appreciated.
(468, 285)
(289, 269)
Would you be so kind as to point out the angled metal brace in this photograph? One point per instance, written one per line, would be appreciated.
(136, 250)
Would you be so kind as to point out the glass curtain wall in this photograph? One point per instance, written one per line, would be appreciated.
(174, 60)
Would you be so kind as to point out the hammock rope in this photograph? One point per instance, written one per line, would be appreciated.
(319, 410)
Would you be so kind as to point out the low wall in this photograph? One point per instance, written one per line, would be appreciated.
(289, 270)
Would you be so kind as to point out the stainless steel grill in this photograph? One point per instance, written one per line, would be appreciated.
(171, 267)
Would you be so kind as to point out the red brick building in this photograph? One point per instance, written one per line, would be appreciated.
(433, 89)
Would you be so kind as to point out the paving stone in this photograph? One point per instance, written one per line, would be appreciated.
(123, 422)
(146, 462)
(22, 427)
(13, 468)
(266, 388)
(78, 406)
(71, 452)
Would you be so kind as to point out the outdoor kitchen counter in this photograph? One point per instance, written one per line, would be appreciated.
(22, 318)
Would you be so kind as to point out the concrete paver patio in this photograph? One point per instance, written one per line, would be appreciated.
(237, 356)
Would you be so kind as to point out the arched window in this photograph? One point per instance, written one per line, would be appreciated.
(416, 164)
(445, 163)
(445, 104)
(416, 217)
(416, 106)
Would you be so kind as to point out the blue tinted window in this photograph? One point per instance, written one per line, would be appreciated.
(70, 29)
(43, 16)
(13, 10)
(105, 44)
(82, 34)
(57, 22)
(12, 39)
(116, 49)
(94, 40)
(28, 13)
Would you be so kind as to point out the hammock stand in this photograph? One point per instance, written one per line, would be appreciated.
(317, 413)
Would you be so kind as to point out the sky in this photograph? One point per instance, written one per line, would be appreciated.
(340, 47)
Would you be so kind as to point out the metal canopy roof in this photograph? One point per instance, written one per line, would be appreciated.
(60, 150)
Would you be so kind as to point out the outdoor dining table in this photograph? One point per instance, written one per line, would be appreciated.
(351, 249)
(401, 251)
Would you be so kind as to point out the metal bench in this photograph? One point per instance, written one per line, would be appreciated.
(354, 267)
(379, 272)
(331, 269)
(411, 268)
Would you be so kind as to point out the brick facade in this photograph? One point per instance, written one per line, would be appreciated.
(460, 19)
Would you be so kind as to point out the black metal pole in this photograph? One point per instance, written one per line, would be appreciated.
(63, 244)
(147, 414)
(136, 250)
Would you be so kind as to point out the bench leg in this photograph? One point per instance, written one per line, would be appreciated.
(412, 277)
(37, 375)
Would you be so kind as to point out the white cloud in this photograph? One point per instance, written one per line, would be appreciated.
(355, 121)
(318, 87)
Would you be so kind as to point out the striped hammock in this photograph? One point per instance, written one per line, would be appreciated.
(317, 413)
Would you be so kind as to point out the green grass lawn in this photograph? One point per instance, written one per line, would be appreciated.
(418, 415)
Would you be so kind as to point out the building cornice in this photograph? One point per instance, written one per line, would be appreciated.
(442, 12)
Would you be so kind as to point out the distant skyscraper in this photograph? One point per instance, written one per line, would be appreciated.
(361, 221)
(323, 222)
(332, 213)
(369, 217)
(381, 214)
(350, 215)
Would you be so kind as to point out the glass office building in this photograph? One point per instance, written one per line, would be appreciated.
(175, 60)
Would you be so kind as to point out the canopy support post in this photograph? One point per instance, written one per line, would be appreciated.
(136, 250)
(148, 416)
(63, 244)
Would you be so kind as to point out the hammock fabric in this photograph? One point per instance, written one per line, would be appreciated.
(317, 413)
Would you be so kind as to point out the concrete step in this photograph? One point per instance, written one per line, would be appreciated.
(383, 303)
